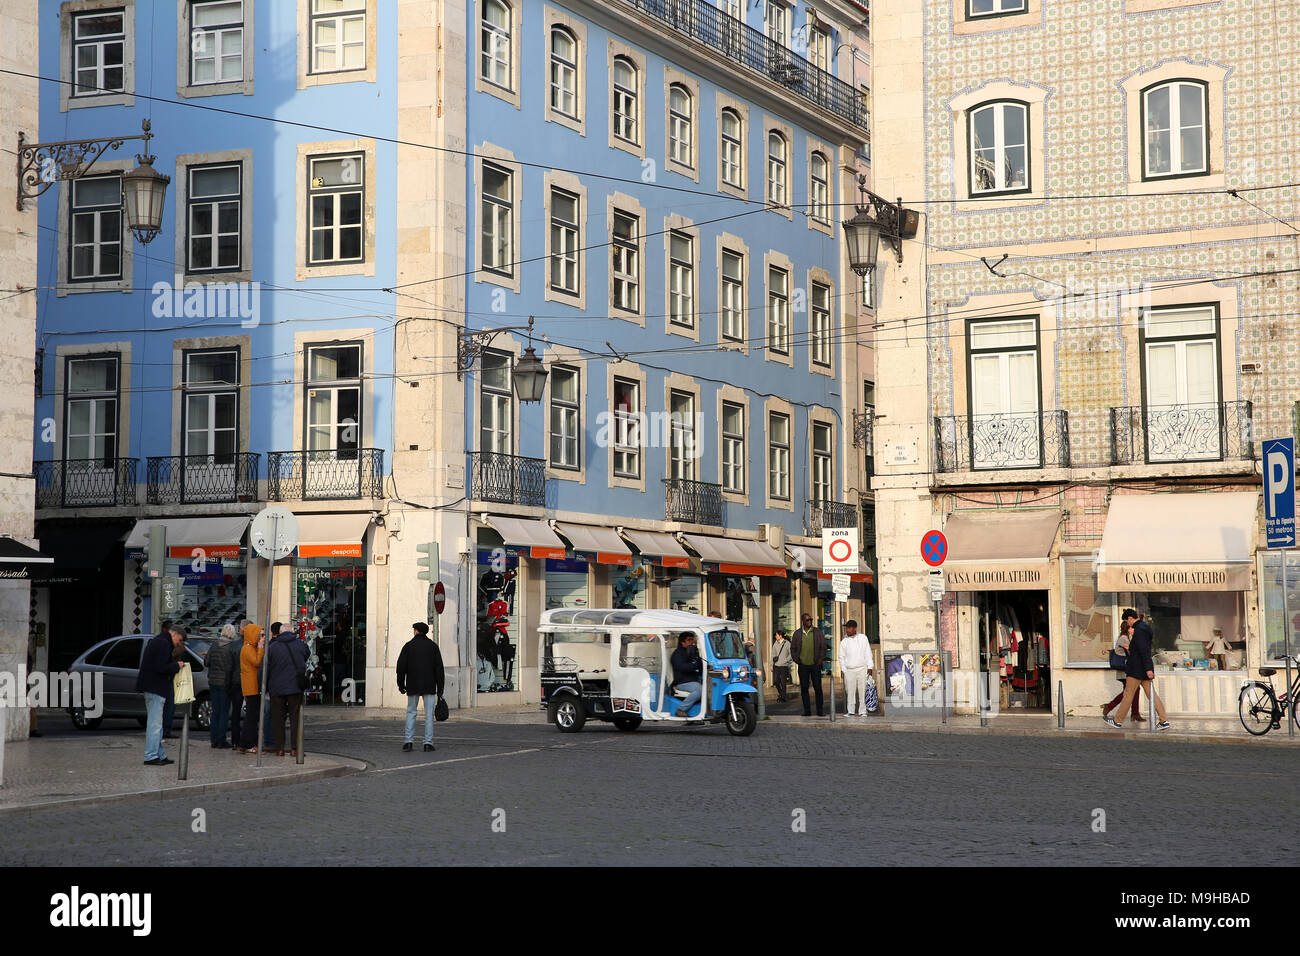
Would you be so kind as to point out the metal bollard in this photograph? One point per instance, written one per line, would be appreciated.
(183, 765)
(982, 693)
(1060, 705)
(1151, 707)
(302, 720)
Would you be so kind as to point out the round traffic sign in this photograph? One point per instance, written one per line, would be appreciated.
(274, 533)
(934, 548)
(841, 550)
(439, 598)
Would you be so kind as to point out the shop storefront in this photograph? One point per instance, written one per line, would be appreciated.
(79, 600)
(1000, 570)
(1184, 562)
(329, 589)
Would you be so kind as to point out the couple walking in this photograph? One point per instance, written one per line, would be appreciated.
(1135, 645)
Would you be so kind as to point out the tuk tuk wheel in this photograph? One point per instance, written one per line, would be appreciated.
(627, 723)
(567, 714)
(745, 719)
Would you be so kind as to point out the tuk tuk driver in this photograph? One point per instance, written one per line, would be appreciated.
(688, 670)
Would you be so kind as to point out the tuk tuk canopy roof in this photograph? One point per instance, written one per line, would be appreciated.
(658, 620)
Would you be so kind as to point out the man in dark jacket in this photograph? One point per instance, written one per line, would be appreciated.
(688, 672)
(286, 664)
(1139, 670)
(420, 677)
(808, 647)
(169, 709)
(157, 669)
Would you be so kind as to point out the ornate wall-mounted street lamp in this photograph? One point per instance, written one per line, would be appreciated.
(144, 189)
(529, 377)
(877, 219)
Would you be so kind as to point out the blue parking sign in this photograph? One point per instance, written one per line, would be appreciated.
(1279, 492)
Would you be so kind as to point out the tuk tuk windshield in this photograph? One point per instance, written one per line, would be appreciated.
(727, 645)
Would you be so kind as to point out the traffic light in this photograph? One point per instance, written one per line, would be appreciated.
(429, 563)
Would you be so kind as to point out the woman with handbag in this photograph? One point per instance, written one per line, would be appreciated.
(1118, 659)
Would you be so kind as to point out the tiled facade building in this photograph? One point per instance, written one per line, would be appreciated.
(1104, 308)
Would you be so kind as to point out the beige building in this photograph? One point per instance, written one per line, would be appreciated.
(18, 111)
(1082, 351)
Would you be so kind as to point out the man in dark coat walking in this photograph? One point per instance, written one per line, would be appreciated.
(157, 669)
(420, 676)
(1139, 670)
(286, 672)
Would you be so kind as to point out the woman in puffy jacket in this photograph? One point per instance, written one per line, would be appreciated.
(250, 662)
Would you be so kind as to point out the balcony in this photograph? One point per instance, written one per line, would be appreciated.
(325, 474)
(201, 479)
(742, 44)
(1002, 441)
(1155, 434)
(507, 479)
(829, 514)
(85, 483)
(696, 502)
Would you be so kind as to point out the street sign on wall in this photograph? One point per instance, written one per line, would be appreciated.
(1279, 492)
(934, 548)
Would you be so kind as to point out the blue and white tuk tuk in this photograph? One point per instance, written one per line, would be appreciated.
(616, 666)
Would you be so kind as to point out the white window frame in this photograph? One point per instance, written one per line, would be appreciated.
(201, 36)
(627, 430)
(335, 387)
(998, 8)
(496, 426)
(568, 414)
(1177, 165)
(681, 281)
(625, 262)
(681, 436)
(214, 204)
(566, 244)
(337, 193)
(778, 310)
(497, 219)
(778, 456)
(1000, 147)
(681, 128)
(492, 60)
(213, 392)
(733, 316)
(778, 170)
(339, 18)
(100, 44)
(105, 408)
(732, 149)
(563, 76)
(776, 22)
(95, 214)
(819, 189)
(819, 324)
(822, 473)
(732, 458)
(626, 102)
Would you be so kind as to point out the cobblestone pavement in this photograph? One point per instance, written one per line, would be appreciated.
(688, 796)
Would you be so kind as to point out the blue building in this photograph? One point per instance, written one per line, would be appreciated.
(679, 253)
(368, 201)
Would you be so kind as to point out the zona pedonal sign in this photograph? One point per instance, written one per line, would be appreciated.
(840, 550)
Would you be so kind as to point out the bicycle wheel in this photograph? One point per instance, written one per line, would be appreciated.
(1257, 707)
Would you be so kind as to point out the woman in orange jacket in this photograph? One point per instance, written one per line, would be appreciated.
(250, 662)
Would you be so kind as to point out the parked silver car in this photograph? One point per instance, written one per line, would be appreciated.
(118, 658)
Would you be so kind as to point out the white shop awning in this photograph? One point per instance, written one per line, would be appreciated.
(656, 544)
(215, 537)
(1178, 542)
(1005, 551)
(530, 533)
(332, 536)
(604, 543)
(737, 556)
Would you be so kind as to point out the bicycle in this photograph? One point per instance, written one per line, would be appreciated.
(1259, 707)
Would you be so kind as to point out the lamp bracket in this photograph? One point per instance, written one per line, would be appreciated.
(888, 214)
(862, 438)
(41, 165)
(470, 344)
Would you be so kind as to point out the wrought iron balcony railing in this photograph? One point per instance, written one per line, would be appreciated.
(323, 474)
(191, 479)
(829, 514)
(697, 502)
(703, 22)
(85, 483)
(1214, 431)
(507, 479)
(994, 442)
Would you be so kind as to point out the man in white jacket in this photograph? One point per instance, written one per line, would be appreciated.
(856, 661)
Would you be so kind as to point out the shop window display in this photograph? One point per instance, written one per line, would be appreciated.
(1271, 608)
(686, 593)
(630, 586)
(1013, 631)
(214, 592)
(566, 583)
(1090, 621)
(1194, 629)
(331, 593)
(783, 615)
(498, 619)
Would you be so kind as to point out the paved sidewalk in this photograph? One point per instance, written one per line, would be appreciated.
(54, 771)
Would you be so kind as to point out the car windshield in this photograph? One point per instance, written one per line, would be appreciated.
(727, 645)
